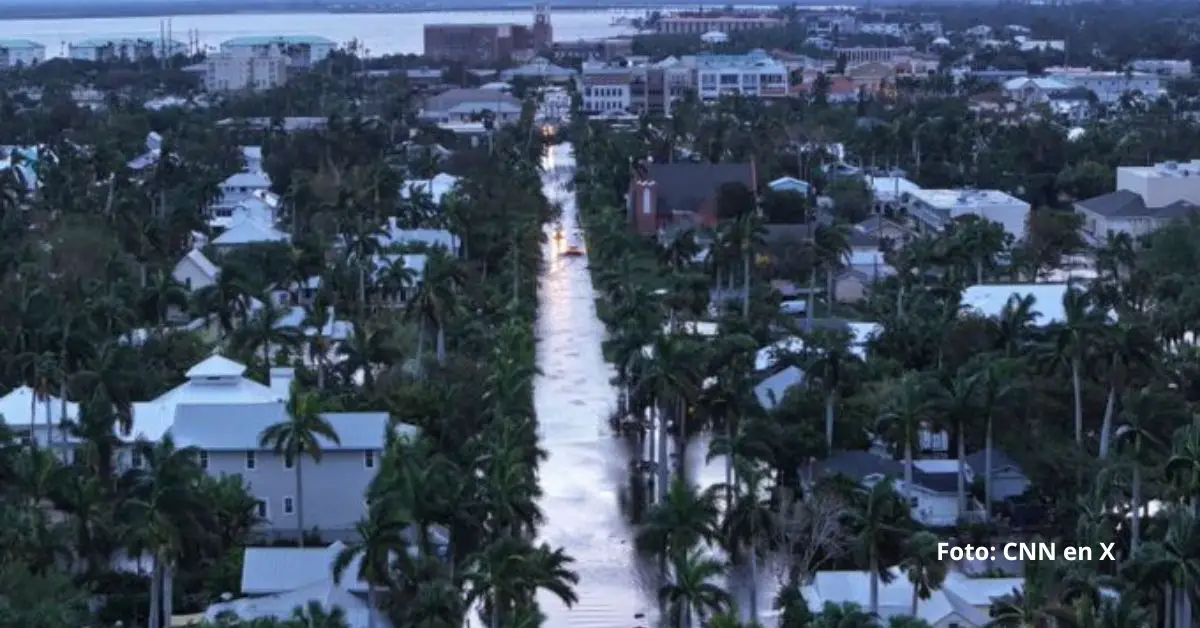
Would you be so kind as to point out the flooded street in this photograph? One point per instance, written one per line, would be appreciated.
(586, 470)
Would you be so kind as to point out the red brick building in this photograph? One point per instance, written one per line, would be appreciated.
(682, 194)
(476, 43)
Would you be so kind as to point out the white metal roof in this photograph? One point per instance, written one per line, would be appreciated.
(249, 231)
(216, 366)
(15, 408)
(989, 300)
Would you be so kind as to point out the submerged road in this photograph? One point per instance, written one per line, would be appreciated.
(587, 467)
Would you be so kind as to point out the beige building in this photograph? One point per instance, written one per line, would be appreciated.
(694, 25)
(229, 71)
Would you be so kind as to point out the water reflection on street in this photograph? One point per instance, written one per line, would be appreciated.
(587, 466)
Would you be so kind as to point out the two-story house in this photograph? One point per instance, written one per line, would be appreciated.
(222, 414)
(1126, 211)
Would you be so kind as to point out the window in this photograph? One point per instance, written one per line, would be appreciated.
(289, 506)
(251, 461)
(288, 461)
(914, 502)
(260, 508)
(135, 458)
(203, 459)
(369, 459)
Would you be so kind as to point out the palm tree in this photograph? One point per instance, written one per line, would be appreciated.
(682, 520)
(905, 412)
(1072, 340)
(164, 514)
(508, 573)
(925, 570)
(304, 432)
(959, 401)
(692, 593)
(379, 542)
(436, 301)
(829, 357)
(878, 522)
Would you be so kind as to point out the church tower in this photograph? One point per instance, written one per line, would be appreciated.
(543, 33)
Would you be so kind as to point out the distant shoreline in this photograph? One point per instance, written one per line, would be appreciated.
(186, 8)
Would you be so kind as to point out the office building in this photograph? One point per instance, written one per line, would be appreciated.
(300, 50)
(230, 71)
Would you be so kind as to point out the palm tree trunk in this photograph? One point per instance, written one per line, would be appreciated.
(962, 470)
(746, 282)
(299, 500)
(372, 604)
(33, 412)
(168, 591)
(441, 344)
(908, 466)
(753, 570)
(915, 600)
(1135, 523)
(829, 407)
(1077, 388)
(155, 618)
(664, 460)
(1106, 427)
(978, 279)
(420, 345)
(729, 466)
(873, 566)
(987, 470)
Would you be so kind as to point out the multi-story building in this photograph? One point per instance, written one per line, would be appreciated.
(124, 49)
(753, 74)
(887, 54)
(933, 209)
(1163, 67)
(1163, 183)
(651, 87)
(475, 43)
(1108, 86)
(698, 25)
(599, 49)
(1124, 211)
(299, 50)
(228, 71)
(16, 53)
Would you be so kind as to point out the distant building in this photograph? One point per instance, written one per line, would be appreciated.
(856, 56)
(649, 87)
(682, 195)
(300, 50)
(15, 53)
(752, 74)
(124, 49)
(699, 25)
(1163, 183)
(933, 209)
(468, 105)
(599, 49)
(1163, 67)
(230, 71)
(475, 43)
(1108, 87)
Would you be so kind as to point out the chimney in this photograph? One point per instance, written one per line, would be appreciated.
(281, 381)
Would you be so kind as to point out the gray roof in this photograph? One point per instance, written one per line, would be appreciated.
(481, 98)
(239, 426)
(772, 389)
(1126, 204)
(857, 465)
(1000, 460)
(684, 186)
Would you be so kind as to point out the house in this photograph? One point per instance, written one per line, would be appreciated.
(281, 606)
(1029, 90)
(931, 210)
(860, 335)
(539, 69)
(1008, 480)
(682, 194)
(468, 105)
(872, 77)
(243, 186)
(394, 236)
(435, 188)
(195, 271)
(1124, 211)
(989, 300)
(933, 493)
(771, 390)
(863, 266)
(790, 184)
(249, 231)
(222, 414)
(961, 601)
(28, 413)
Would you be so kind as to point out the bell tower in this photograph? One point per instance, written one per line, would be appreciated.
(543, 33)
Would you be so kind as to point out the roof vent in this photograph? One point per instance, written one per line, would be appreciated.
(1171, 165)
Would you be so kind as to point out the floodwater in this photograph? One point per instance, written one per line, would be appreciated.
(587, 467)
(586, 478)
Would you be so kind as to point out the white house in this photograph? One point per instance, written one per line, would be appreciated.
(436, 188)
(1163, 183)
(302, 50)
(961, 602)
(933, 209)
(1124, 211)
(18, 53)
(249, 231)
(195, 271)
